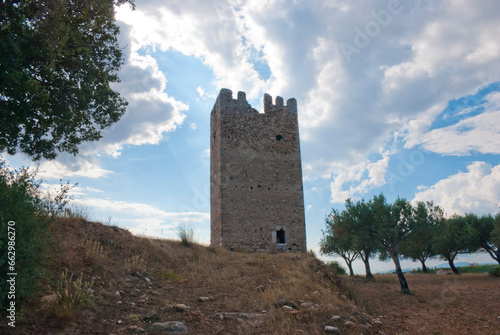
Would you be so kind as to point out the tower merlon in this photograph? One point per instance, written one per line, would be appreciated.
(291, 104)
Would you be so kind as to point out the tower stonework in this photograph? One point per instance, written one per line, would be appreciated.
(256, 193)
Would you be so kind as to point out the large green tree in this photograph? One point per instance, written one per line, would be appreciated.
(57, 61)
(482, 231)
(360, 222)
(418, 244)
(392, 225)
(453, 237)
(339, 240)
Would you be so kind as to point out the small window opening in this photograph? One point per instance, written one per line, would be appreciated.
(278, 137)
(280, 236)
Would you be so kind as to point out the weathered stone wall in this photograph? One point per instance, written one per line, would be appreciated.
(256, 175)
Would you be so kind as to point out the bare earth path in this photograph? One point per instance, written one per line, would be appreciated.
(441, 304)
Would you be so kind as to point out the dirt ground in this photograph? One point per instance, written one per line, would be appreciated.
(440, 304)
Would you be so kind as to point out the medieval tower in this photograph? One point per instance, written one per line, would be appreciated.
(256, 193)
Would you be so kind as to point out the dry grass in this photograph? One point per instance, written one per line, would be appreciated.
(176, 274)
(465, 304)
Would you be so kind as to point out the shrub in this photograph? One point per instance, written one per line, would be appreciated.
(135, 264)
(72, 296)
(94, 249)
(25, 220)
(339, 269)
(186, 235)
(495, 272)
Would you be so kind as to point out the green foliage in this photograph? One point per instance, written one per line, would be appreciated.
(484, 234)
(57, 61)
(339, 269)
(21, 202)
(495, 233)
(72, 295)
(418, 244)
(453, 237)
(495, 272)
(338, 239)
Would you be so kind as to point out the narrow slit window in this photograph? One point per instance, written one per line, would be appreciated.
(280, 236)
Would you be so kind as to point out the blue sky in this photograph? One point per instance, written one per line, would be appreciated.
(400, 97)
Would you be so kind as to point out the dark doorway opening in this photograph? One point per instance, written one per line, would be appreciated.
(280, 236)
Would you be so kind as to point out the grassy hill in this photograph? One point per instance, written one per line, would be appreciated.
(107, 281)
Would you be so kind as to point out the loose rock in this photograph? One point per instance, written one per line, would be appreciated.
(181, 308)
(203, 299)
(170, 327)
(331, 330)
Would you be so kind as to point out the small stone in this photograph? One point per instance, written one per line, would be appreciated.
(181, 308)
(169, 327)
(50, 299)
(287, 308)
(349, 323)
(119, 322)
(281, 301)
(336, 318)
(140, 330)
(203, 299)
(147, 280)
(343, 297)
(331, 330)
(307, 297)
(260, 288)
(117, 293)
(119, 302)
(151, 317)
(316, 293)
(306, 305)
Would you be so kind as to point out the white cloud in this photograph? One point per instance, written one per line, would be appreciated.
(478, 133)
(142, 218)
(360, 179)
(475, 191)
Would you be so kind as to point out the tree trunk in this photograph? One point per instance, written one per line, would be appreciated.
(452, 266)
(349, 261)
(495, 254)
(424, 268)
(351, 272)
(368, 270)
(366, 260)
(402, 280)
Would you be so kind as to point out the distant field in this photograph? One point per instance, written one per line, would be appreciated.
(466, 304)
(464, 269)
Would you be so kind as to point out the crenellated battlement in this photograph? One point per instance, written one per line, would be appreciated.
(225, 101)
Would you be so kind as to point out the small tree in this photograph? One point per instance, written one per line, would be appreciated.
(483, 235)
(392, 225)
(418, 244)
(360, 222)
(337, 240)
(452, 238)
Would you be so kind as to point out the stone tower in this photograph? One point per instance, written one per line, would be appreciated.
(256, 193)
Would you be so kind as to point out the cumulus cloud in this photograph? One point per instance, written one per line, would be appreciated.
(475, 191)
(150, 114)
(364, 74)
(473, 134)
